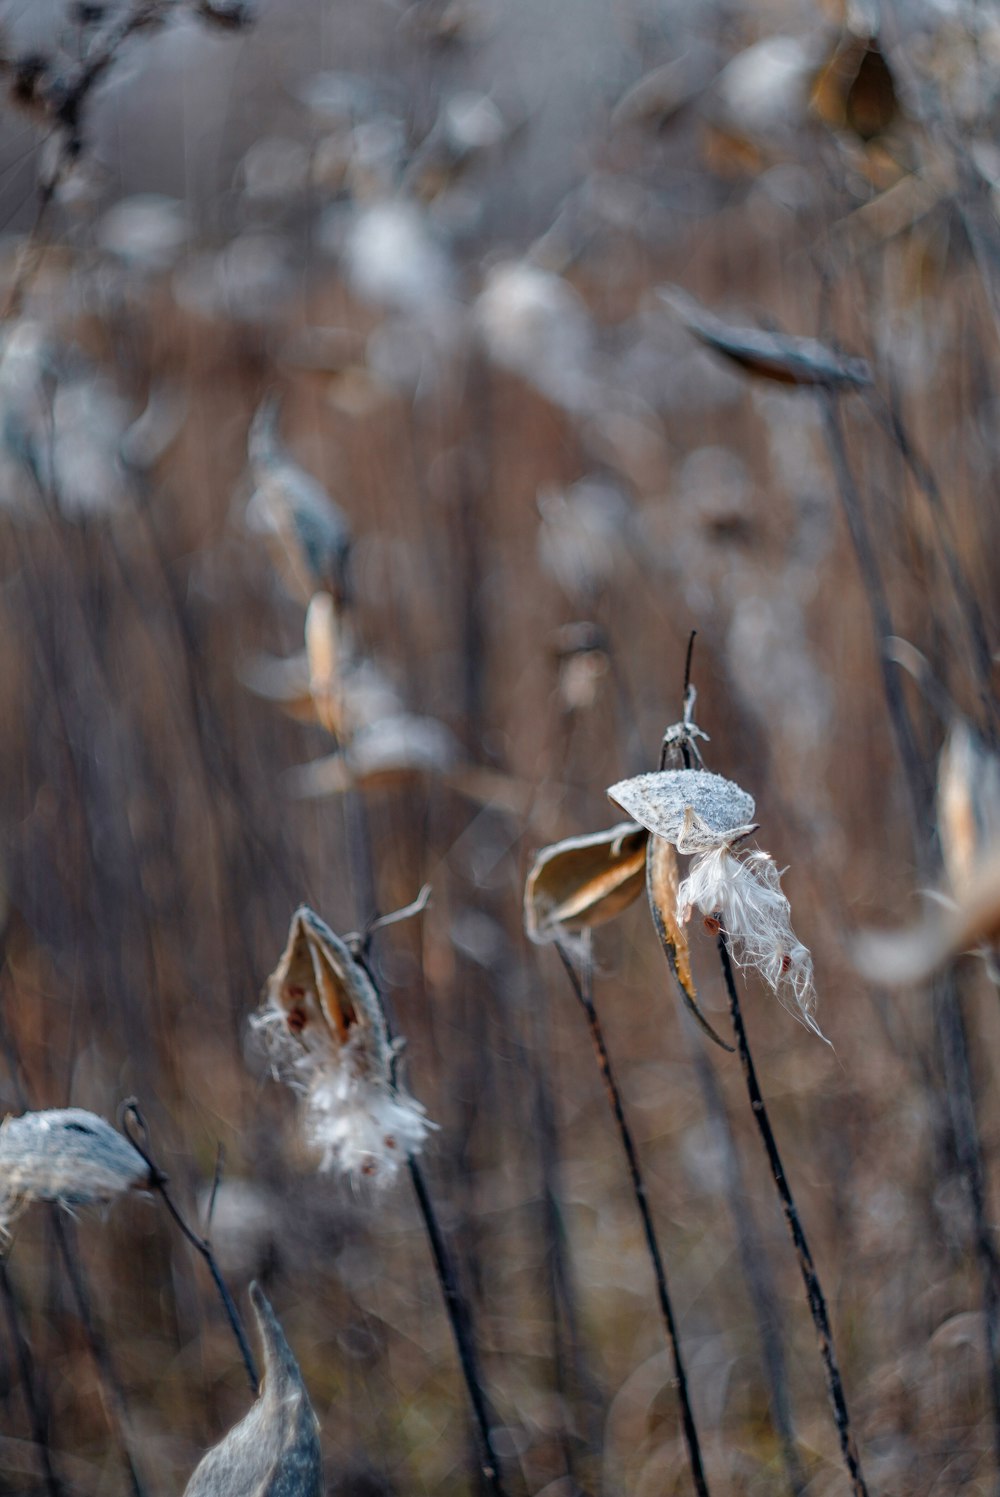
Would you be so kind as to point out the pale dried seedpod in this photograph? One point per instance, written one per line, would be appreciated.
(386, 752)
(328, 1036)
(948, 931)
(691, 808)
(774, 356)
(968, 805)
(663, 881)
(584, 881)
(325, 655)
(311, 535)
(275, 1450)
(67, 1155)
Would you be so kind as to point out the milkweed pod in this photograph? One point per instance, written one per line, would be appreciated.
(275, 1450)
(691, 808)
(324, 995)
(913, 955)
(386, 752)
(584, 881)
(774, 356)
(968, 805)
(67, 1155)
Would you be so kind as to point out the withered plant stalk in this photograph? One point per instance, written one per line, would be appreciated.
(814, 1291)
(131, 1119)
(582, 989)
(35, 1398)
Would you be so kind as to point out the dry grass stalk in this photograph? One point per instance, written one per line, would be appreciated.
(275, 1450)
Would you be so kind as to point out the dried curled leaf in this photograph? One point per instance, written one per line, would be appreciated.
(663, 881)
(691, 808)
(583, 881)
(67, 1155)
(275, 1450)
(774, 356)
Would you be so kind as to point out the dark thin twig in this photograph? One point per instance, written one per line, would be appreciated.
(461, 1326)
(581, 988)
(113, 1393)
(129, 1115)
(455, 1303)
(814, 1292)
(34, 1398)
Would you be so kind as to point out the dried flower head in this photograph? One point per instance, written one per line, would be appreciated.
(327, 1033)
(275, 1449)
(691, 808)
(68, 1155)
(583, 881)
(745, 892)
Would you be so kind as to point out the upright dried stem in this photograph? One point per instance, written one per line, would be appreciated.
(679, 1381)
(130, 1114)
(814, 1291)
(34, 1397)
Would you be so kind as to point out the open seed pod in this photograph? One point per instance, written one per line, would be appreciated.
(67, 1155)
(584, 881)
(324, 996)
(663, 880)
(691, 808)
(774, 356)
(275, 1450)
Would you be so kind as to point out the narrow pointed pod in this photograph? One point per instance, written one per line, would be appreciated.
(582, 989)
(814, 1290)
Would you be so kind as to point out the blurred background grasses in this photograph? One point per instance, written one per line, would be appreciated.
(436, 231)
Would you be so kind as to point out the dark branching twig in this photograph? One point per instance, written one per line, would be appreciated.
(814, 1292)
(581, 987)
(133, 1125)
(455, 1303)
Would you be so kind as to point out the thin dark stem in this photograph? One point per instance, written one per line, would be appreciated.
(130, 1114)
(756, 1271)
(814, 1292)
(114, 1396)
(34, 1398)
(581, 989)
(954, 1041)
(461, 1327)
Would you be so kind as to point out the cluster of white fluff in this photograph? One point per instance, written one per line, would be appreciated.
(746, 893)
(706, 817)
(354, 1115)
(67, 1155)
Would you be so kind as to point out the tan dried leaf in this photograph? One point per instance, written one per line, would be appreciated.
(584, 881)
(275, 1450)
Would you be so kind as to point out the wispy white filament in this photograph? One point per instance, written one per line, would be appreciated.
(746, 893)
